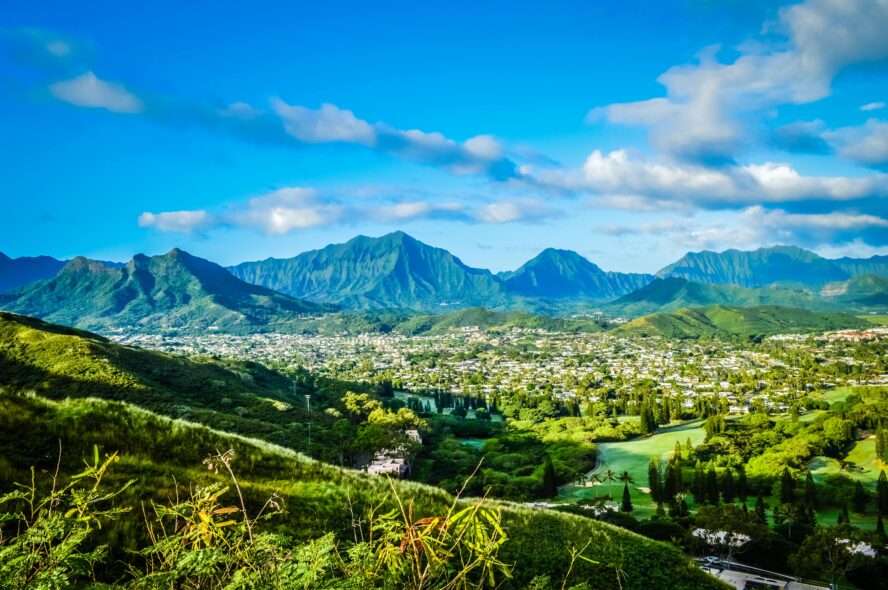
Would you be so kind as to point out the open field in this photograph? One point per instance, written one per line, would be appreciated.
(865, 466)
(880, 320)
(633, 456)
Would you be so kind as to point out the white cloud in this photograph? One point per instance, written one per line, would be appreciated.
(89, 91)
(872, 106)
(186, 222)
(282, 211)
(526, 210)
(324, 125)
(712, 110)
(866, 144)
(622, 182)
(408, 210)
(287, 210)
(758, 226)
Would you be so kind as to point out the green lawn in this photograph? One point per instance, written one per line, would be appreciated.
(863, 455)
(633, 456)
(880, 320)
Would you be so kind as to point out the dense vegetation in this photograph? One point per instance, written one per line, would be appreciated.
(172, 291)
(727, 322)
(161, 455)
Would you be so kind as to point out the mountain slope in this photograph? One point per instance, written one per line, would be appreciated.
(159, 453)
(863, 291)
(565, 274)
(752, 322)
(673, 293)
(486, 319)
(392, 271)
(756, 268)
(875, 265)
(172, 291)
(17, 272)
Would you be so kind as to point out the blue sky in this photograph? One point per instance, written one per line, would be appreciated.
(630, 132)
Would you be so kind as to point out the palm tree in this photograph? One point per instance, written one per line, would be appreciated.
(610, 476)
(625, 477)
(595, 479)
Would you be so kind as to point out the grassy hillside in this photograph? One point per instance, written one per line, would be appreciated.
(673, 293)
(164, 457)
(722, 321)
(243, 397)
(487, 319)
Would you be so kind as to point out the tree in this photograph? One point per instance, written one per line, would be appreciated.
(670, 485)
(711, 486)
(827, 553)
(609, 476)
(727, 528)
(787, 487)
(810, 490)
(860, 498)
(844, 517)
(882, 493)
(761, 510)
(742, 485)
(550, 484)
(698, 486)
(727, 486)
(654, 480)
(880, 529)
(626, 504)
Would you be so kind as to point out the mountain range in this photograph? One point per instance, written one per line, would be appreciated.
(767, 266)
(174, 290)
(393, 271)
(17, 272)
(557, 274)
(398, 272)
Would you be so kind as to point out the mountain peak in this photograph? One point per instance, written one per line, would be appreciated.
(755, 268)
(173, 290)
(391, 271)
(555, 273)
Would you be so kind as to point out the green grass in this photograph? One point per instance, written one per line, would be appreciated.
(157, 452)
(865, 466)
(879, 320)
(726, 322)
(633, 456)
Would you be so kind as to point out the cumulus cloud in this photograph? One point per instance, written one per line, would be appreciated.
(185, 222)
(711, 108)
(89, 91)
(526, 210)
(327, 124)
(758, 226)
(620, 181)
(865, 144)
(287, 210)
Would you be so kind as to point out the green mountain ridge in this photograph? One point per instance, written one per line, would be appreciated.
(172, 291)
(756, 268)
(769, 266)
(565, 274)
(390, 272)
(674, 293)
(745, 322)
(18, 272)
